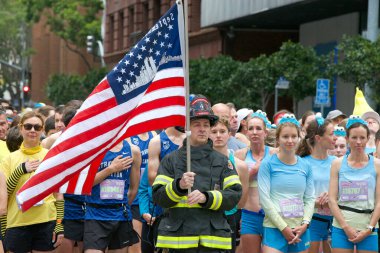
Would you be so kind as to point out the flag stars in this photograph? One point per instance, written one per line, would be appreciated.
(126, 62)
(150, 50)
(166, 36)
(122, 71)
(135, 65)
(162, 44)
(119, 79)
(159, 34)
(154, 42)
(157, 53)
(115, 68)
(169, 45)
(143, 48)
(170, 27)
(128, 82)
(131, 73)
(147, 39)
(139, 56)
(131, 54)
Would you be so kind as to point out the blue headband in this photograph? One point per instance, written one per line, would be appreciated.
(339, 131)
(262, 115)
(320, 120)
(290, 118)
(355, 119)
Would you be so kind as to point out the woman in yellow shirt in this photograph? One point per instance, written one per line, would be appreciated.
(30, 231)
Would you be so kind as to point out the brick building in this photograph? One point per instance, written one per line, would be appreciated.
(240, 28)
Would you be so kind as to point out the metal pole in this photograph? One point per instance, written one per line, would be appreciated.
(275, 100)
(322, 110)
(103, 29)
(187, 85)
(101, 52)
(372, 33)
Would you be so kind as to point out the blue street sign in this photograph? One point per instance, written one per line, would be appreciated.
(323, 92)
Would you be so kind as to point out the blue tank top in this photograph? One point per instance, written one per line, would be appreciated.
(143, 145)
(73, 209)
(357, 187)
(167, 146)
(321, 178)
(231, 158)
(111, 191)
(250, 161)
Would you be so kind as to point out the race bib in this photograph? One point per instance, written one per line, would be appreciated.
(354, 191)
(112, 189)
(324, 211)
(291, 208)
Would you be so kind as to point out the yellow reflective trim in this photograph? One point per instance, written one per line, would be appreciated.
(163, 180)
(177, 242)
(217, 200)
(216, 242)
(231, 180)
(171, 193)
(183, 203)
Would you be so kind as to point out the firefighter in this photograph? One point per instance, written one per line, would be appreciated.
(195, 222)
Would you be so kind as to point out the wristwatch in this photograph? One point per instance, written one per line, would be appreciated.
(371, 228)
(306, 222)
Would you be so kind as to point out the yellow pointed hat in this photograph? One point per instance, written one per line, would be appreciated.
(361, 105)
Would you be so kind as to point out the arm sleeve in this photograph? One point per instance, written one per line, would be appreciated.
(229, 196)
(13, 179)
(3, 221)
(166, 190)
(265, 200)
(309, 196)
(59, 205)
(143, 194)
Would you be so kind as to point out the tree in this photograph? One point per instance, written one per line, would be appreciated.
(14, 43)
(62, 88)
(71, 20)
(255, 79)
(210, 77)
(359, 63)
(300, 66)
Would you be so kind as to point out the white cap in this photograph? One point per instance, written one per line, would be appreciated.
(243, 113)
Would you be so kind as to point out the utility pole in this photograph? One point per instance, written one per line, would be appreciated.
(372, 34)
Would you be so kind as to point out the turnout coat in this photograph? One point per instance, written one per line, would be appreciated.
(185, 226)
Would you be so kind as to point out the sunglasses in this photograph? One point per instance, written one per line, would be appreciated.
(36, 127)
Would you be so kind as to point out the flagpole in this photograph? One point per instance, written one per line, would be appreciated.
(187, 88)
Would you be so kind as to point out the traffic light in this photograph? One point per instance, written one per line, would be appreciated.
(26, 89)
(90, 44)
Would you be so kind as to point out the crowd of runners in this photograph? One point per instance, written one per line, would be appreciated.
(290, 185)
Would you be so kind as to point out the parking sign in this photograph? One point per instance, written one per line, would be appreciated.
(323, 92)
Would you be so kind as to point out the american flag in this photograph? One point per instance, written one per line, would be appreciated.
(143, 92)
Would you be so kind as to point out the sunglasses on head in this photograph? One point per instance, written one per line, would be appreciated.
(36, 127)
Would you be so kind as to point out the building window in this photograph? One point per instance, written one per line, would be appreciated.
(156, 10)
(111, 30)
(120, 31)
(131, 25)
(145, 17)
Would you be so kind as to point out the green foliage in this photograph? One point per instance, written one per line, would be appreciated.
(355, 65)
(254, 82)
(72, 20)
(300, 66)
(62, 88)
(210, 77)
(359, 63)
(13, 41)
